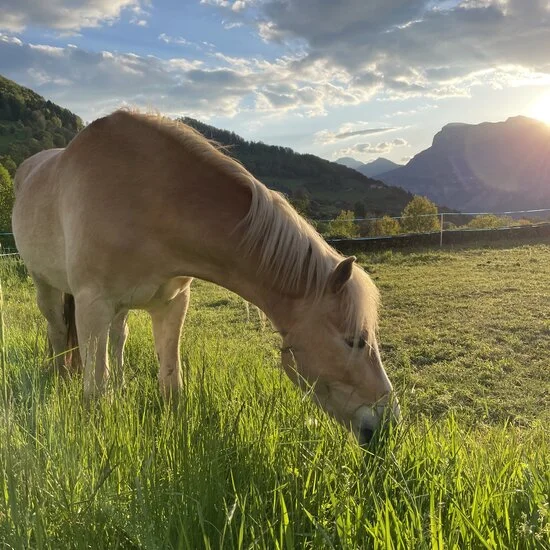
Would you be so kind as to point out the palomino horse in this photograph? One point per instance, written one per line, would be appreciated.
(136, 206)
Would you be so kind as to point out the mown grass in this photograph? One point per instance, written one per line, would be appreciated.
(246, 461)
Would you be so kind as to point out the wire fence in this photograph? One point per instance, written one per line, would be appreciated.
(9, 250)
(369, 228)
(439, 214)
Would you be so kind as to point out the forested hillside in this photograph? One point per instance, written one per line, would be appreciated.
(29, 123)
(317, 187)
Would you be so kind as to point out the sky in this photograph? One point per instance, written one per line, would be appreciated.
(359, 78)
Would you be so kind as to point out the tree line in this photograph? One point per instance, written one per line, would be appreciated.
(421, 215)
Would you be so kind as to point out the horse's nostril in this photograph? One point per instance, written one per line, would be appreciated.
(365, 435)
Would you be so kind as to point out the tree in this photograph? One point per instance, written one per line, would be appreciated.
(300, 200)
(384, 226)
(9, 165)
(59, 140)
(343, 225)
(56, 122)
(6, 199)
(420, 216)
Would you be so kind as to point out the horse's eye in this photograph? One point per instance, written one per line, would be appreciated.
(361, 342)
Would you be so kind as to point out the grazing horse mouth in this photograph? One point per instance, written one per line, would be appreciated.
(365, 435)
(383, 414)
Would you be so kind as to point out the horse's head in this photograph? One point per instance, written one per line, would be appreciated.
(332, 346)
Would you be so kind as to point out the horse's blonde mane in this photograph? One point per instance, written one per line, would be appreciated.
(290, 249)
(296, 255)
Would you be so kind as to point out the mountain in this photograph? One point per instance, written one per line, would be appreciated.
(29, 123)
(351, 162)
(489, 166)
(370, 169)
(317, 187)
(377, 167)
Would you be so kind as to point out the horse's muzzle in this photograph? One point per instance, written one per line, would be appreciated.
(365, 436)
(374, 422)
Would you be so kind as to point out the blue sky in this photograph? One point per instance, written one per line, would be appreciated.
(360, 78)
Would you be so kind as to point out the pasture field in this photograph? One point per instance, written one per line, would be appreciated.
(246, 461)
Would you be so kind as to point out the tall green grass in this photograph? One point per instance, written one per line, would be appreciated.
(245, 460)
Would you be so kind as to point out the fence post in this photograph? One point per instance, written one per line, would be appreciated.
(441, 231)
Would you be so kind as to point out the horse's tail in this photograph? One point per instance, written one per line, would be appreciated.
(73, 362)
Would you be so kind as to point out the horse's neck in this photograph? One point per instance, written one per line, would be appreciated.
(260, 291)
(223, 254)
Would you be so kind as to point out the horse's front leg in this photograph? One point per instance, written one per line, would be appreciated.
(168, 319)
(93, 320)
(117, 340)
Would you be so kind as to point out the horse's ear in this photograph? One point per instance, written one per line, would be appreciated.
(341, 274)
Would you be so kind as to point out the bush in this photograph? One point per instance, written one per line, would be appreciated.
(384, 226)
(420, 216)
(344, 226)
(490, 221)
(6, 199)
(8, 163)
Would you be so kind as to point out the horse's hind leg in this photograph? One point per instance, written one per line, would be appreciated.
(93, 321)
(117, 339)
(168, 318)
(50, 304)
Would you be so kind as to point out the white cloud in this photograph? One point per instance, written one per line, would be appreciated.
(49, 50)
(413, 48)
(238, 5)
(181, 41)
(10, 39)
(41, 78)
(361, 149)
(410, 112)
(231, 24)
(174, 39)
(65, 15)
(348, 131)
(182, 64)
(220, 85)
(399, 142)
(233, 5)
(345, 54)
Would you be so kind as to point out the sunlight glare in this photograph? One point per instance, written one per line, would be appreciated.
(540, 109)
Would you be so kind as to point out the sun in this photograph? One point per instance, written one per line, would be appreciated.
(540, 108)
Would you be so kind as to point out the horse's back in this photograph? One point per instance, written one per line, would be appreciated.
(131, 200)
(142, 187)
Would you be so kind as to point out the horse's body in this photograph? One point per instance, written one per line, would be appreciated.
(136, 206)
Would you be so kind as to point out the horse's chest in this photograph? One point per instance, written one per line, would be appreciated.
(149, 296)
